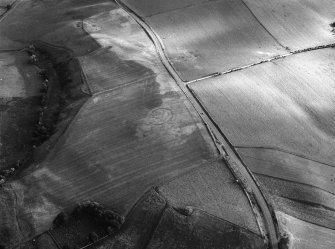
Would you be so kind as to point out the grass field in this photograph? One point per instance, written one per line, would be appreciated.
(212, 37)
(278, 105)
(297, 24)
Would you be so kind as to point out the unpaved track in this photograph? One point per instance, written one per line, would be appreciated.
(226, 149)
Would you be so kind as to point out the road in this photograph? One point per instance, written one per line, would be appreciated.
(241, 172)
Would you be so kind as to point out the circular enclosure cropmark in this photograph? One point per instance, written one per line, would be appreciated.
(159, 116)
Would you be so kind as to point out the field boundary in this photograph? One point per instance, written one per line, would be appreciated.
(330, 45)
(260, 23)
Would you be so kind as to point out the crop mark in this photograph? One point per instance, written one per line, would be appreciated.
(159, 116)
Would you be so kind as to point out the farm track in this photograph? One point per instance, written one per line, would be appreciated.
(240, 171)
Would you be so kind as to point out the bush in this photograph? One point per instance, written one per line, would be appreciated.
(97, 212)
(93, 237)
(61, 219)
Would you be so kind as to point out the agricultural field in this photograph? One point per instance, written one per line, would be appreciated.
(297, 24)
(277, 105)
(213, 37)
